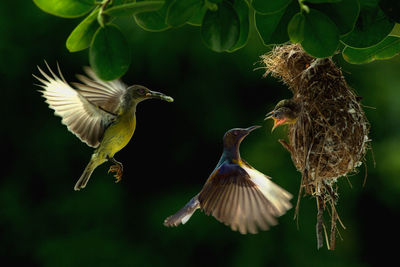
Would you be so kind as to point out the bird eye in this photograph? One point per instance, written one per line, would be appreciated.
(141, 91)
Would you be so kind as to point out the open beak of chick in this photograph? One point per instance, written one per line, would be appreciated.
(277, 121)
(158, 95)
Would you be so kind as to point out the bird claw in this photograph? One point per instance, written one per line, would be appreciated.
(118, 169)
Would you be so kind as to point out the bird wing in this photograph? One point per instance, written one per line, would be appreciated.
(84, 119)
(278, 196)
(245, 203)
(105, 94)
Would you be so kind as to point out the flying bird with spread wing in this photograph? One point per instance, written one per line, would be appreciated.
(236, 194)
(100, 113)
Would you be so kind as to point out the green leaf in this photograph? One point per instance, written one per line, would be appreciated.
(81, 37)
(321, 36)
(372, 27)
(181, 11)
(273, 28)
(344, 14)
(220, 29)
(109, 53)
(296, 28)
(65, 8)
(242, 9)
(386, 49)
(391, 8)
(270, 7)
(396, 30)
(154, 21)
(133, 8)
(215, 1)
(198, 16)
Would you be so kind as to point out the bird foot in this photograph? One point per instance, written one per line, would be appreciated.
(118, 169)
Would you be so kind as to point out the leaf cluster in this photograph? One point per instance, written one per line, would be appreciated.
(363, 30)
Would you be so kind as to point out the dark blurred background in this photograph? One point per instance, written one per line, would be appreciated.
(43, 222)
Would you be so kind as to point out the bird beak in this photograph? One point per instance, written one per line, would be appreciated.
(153, 94)
(277, 122)
(246, 132)
(252, 128)
(269, 115)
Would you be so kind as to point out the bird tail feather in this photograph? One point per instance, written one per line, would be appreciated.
(83, 180)
(184, 214)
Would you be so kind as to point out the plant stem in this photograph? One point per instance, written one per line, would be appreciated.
(303, 6)
(100, 16)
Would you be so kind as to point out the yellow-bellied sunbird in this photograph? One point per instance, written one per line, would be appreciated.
(285, 112)
(100, 113)
(236, 194)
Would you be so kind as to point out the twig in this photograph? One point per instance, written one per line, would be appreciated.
(320, 224)
(333, 227)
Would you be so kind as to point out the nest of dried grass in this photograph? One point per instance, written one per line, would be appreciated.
(330, 136)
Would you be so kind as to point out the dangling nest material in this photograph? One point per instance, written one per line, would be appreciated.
(330, 136)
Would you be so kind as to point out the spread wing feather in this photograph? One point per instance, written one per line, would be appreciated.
(278, 196)
(105, 94)
(83, 118)
(234, 197)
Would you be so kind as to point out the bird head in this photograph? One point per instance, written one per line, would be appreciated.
(234, 137)
(139, 93)
(285, 112)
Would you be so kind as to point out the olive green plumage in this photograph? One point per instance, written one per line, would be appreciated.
(100, 113)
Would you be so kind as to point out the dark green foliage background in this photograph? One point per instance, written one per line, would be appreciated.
(43, 222)
(362, 30)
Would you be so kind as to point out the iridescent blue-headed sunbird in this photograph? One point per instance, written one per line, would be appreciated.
(237, 194)
(100, 113)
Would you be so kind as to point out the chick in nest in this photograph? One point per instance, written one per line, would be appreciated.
(285, 112)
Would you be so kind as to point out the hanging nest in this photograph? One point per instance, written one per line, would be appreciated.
(330, 136)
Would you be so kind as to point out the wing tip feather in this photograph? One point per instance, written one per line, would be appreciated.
(246, 208)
